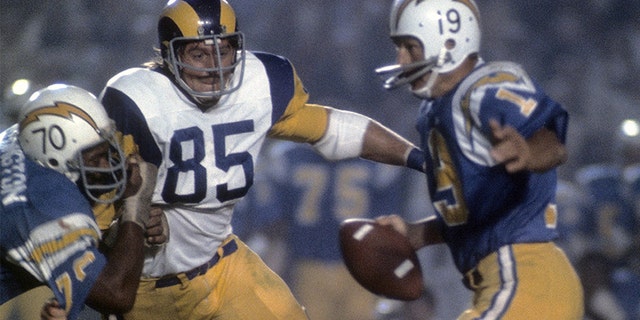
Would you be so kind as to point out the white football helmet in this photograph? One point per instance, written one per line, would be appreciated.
(57, 124)
(449, 31)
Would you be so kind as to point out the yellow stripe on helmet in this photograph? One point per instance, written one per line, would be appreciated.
(183, 15)
(227, 17)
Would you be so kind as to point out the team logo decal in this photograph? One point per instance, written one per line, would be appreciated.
(59, 109)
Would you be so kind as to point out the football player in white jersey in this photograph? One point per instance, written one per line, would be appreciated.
(201, 114)
(492, 139)
(62, 157)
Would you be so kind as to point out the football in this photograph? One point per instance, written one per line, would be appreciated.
(381, 259)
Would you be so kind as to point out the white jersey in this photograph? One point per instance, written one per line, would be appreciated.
(206, 159)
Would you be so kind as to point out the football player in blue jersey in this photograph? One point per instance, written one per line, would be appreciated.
(492, 140)
(62, 157)
(627, 275)
(609, 217)
(200, 114)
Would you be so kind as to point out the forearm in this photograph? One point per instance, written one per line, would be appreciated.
(540, 152)
(350, 135)
(546, 151)
(424, 232)
(115, 289)
(380, 144)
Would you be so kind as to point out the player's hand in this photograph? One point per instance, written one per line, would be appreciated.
(134, 179)
(509, 147)
(136, 207)
(52, 311)
(157, 227)
(395, 221)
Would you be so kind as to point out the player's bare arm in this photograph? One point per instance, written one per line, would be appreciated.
(420, 233)
(383, 145)
(115, 288)
(348, 135)
(114, 291)
(539, 153)
(546, 150)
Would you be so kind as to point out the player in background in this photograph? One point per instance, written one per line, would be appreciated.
(308, 197)
(61, 158)
(492, 139)
(608, 217)
(608, 222)
(597, 228)
(626, 278)
(607, 263)
(572, 200)
(200, 113)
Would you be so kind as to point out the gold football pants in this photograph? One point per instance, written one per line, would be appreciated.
(238, 286)
(27, 305)
(525, 281)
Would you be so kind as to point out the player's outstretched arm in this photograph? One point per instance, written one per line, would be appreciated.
(350, 134)
(381, 144)
(115, 289)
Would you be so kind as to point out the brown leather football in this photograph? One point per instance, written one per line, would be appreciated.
(381, 259)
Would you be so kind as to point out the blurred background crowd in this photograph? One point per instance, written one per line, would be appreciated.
(586, 54)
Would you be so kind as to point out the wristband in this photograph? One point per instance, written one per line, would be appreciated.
(416, 160)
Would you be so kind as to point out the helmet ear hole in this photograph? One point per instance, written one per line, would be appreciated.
(450, 44)
(53, 162)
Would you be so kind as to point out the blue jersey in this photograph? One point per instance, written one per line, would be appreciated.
(47, 231)
(609, 217)
(481, 205)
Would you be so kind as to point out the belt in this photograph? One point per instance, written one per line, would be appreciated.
(172, 280)
(472, 279)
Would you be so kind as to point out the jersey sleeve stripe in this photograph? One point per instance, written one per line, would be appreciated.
(130, 120)
(282, 85)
